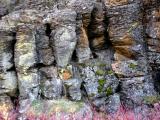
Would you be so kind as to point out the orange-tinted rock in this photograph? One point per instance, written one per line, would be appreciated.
(83, 50)
(86, 19)
(120, 57)
(113, 3)
(125, 51)
(127, 39)
(83, 41)
(98, 42)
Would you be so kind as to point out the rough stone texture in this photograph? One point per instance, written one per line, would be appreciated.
(103, 52)
(6, 106)
(73, 88)
(50, 85)
(135, 89)
(113, 103)
(64, 36)
(61, 109)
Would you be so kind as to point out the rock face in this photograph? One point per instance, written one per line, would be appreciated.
(95, 53)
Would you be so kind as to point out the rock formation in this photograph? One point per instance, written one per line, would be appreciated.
(79, 54)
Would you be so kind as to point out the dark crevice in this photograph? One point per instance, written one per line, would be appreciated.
(156, 77)
(13, 48)
(74, 56)
(107, 38)
(40, 65)
(48, 29)
(84, 92)
(119, 88)
(15, 98)
(48, 34)
(15, 102)
(107, 43)
(11, 69)
(51, 44)
(95, 56)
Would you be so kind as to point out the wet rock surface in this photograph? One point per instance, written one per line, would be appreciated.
(99, 53)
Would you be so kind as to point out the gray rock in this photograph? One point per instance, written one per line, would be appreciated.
(130, 68)
(134, 90)
(64, 37)
(44, 49)
(6, 50)
(8, 83)
(25, 48)
(81, 6)
(28, 84)
(113, 103)
(50, 84)
(73, 87)
(99, 82)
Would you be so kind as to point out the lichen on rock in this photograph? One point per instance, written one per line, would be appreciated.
(66, 56)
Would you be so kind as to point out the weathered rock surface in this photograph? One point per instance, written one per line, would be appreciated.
(102, 52)
(54, 110)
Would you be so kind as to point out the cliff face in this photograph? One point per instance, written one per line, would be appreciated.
(102, 52)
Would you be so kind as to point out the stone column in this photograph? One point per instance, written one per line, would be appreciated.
(126, 32)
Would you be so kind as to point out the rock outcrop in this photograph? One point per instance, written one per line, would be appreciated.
(95, 53)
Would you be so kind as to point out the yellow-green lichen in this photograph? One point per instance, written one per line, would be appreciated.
(100, 89)
(101, 82)
(82, 65)
(109, 91)
(151, 99)
(132, 66)
(110, 72)
(102, 65)
(100, 72)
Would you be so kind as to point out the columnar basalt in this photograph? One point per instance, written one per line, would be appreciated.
(102, 52)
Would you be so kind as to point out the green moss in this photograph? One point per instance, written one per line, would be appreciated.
(82, 65)
(101, 82)
(100, 89)
(102, 65)
(151, 99)
(132, 66)
(100, 72)
(110, 72)
(109, 91)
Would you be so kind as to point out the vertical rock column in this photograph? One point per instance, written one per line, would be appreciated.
(64, 39)
(63, 35)
(83, 50)
(8, 79)
(153, 39)
(126, 34)
(50, 86)
(96, 29)
(83, 9)
(25, 61)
